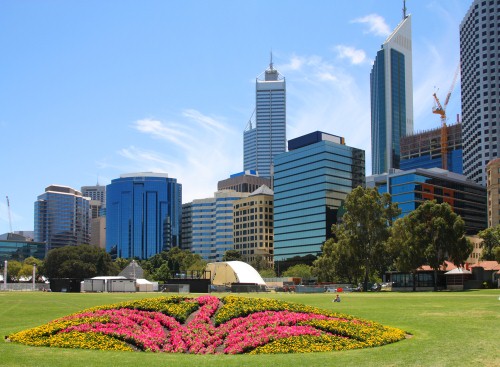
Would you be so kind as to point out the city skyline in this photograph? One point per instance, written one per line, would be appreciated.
(92, 91)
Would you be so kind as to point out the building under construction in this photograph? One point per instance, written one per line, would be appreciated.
(423, 150)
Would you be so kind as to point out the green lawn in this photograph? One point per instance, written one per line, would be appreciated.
(448, 328)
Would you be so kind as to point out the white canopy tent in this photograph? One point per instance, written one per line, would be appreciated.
(228, 272)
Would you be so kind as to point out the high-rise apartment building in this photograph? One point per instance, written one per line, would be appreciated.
(391, 93)
(311, 181)
(211, 232)
(253, 226)
(143, 215)
(267, 138)
(97, 194)
(62, 217)
(480, 87)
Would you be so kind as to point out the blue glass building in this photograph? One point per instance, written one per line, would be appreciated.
(391, 93)
(262, 142)
(410, 188)
(311, 181)
(143, 215)
(62, 217)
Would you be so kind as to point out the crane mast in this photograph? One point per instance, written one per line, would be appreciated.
(441, 111)
(8, 209)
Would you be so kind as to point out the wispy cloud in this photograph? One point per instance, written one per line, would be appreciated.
(205, 150)
(326, 97)
(354, 55)
(376, 24)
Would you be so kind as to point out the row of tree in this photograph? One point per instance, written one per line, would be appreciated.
(369, 240)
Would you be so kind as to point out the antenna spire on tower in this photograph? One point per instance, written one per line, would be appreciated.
(404, 9)
(271, 63)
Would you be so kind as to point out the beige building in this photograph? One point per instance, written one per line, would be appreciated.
(493, 187)
(253, 221)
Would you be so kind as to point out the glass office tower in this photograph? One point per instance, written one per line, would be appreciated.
(62, 217)
(411, 188)
(267, 138)
(391, 93)
(143, 215)
(311, 181)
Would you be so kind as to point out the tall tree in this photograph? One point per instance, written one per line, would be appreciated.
(430, 234)
(299, 271)
(491, 242)
(82, 261)
(365, 229)
(231, 255)
(337, 262)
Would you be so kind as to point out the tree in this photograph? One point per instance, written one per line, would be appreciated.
(407, 253)
(430, 234)
(82, 261)
(176, 261)
(337, 263)
(267, 273)
(13, 269)
(232, 255)
(299, 271)
(363, 232)
(491, 242)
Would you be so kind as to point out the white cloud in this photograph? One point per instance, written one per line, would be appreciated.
(326, 97)
(376, 24)
(204, 151)
(355, 56)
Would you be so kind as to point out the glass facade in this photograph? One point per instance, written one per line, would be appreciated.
(62, 217)
(144, 213)
(454, 162)
(310, 185)
(410, 188)
(20, 250)
(391, 98)
(268, 138)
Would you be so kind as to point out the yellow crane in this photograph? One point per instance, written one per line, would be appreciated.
(441, 110)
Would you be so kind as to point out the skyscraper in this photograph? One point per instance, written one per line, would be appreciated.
(311, 182)
(62, 217)
(480, 89)
(143, 212)
(391, 90)
(262, 142)
(211, 220)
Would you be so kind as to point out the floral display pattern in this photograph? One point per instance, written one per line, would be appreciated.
(209, 325)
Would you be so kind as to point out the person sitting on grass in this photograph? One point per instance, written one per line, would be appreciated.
(336, 299)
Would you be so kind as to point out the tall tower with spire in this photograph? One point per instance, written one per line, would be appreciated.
(391, 94)
(265, 137)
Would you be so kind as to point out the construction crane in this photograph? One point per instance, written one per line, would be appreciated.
(441, 110)
(8, 209)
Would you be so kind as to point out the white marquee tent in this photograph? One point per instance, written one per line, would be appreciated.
(228, 272)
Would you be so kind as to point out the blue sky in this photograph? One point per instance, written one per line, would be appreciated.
(90, 89)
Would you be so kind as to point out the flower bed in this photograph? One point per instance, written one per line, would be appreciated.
(207, 325)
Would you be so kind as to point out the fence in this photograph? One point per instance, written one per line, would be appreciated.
(25, 287)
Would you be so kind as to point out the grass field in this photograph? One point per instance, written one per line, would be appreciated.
(448, 329)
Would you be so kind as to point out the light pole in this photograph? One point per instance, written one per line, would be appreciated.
(34, 273)
(5, 275)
